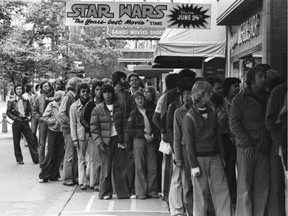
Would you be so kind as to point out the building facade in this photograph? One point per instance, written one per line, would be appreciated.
(256, 33)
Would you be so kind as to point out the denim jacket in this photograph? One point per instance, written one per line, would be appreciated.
(77, 129)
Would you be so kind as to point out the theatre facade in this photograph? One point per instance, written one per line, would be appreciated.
(256, 33)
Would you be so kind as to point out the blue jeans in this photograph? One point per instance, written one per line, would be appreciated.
(114, 158)
(70, 166)
(253, 183)
(43, 131)
(145, 167)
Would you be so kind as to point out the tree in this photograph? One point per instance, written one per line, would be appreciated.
(36, 44)
(99, 55)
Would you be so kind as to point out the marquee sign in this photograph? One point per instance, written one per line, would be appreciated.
(146, 14)
(136, 33)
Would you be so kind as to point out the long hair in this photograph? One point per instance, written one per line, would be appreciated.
(199, 89)
(228, 82)
(108, 88)
(94, 85)
(152, 90)
(250, 77)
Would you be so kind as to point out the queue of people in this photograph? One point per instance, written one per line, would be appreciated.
(206, 146)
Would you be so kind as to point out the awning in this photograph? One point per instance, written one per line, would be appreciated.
(195, 44)
(237, 11)
(149, 72)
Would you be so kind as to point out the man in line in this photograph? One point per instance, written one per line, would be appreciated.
(39, 107)
(125, 101)
(134, 82)
(19, 110)
(247, 123)
(79, 138)
(221, 108)
(70, 171)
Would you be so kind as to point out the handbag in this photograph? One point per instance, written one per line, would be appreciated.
(165, 147)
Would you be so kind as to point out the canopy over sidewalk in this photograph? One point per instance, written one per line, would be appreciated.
(191, 46)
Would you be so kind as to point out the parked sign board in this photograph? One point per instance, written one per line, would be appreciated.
(146, 14)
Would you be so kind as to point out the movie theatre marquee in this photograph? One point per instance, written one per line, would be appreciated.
(146, 14)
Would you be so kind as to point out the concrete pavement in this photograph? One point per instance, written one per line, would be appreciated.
(21, 194)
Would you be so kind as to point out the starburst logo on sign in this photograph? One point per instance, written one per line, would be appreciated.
(189, 15)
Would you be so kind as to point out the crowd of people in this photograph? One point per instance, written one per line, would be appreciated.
(206, 146)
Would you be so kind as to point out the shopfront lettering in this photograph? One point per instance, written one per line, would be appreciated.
(250, 28)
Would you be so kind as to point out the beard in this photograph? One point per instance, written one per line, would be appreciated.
(217, 100)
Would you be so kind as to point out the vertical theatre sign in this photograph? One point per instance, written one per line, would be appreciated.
(146, 14)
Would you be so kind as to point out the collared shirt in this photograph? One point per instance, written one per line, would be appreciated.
(20, 105)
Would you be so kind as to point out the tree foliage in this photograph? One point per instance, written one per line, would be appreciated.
(35, 43)
(98, 54)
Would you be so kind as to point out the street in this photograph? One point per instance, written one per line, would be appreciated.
(21, 194)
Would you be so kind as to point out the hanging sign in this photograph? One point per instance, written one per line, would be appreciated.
(133, 33)
(146, 14)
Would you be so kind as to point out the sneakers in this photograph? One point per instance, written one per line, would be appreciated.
(42, 180)
(20, 162)
(133, 196)
(83, 187)
(106, 197)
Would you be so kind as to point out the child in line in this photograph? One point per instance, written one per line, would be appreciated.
(143, 131)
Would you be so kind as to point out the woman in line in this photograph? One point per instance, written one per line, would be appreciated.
(143, 132)
(107, 130)
(150, 97)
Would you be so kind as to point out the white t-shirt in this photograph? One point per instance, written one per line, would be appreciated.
(113, 128)
(146, 121)
(159, 104)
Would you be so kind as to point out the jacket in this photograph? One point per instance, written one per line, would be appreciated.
(136, 124)
(178, 140)
(201, 136)
(50, 116)
(41, 103)
(76, 128)
(125, 100)
(64, 110)
(247, 122)
(12, 110)
(169, 120)
(100, 124)
(274, 106)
